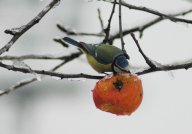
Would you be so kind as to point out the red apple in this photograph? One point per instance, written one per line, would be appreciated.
(120, 94)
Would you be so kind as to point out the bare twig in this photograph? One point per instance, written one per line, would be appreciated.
(70, 32)
(148, 61)
(32, 57)
(121, 33)
(100, 20)
(107, 30)
(17, 85)
(146, 25)
(145, 9)
(39, 57)
(60, 41)
(120, 27)
(49, 73)
(81, 75)
(30, 80)
(20, 31)
(166, 68)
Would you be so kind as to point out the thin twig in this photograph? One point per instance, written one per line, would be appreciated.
(70, 32)
(49, 73)
(60, 41)
(20, 31)
(18, 85)
(107, 30)
(166, 68)
(30, 80)
(146, 25)
(121, 33)
(120, 28)
(81, 75)
(32, 57)
(161, 18)
(38, 57)
(148, 61)
(145, 9)
(100, 20)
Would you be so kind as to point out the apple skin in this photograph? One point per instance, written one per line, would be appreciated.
(120, 94)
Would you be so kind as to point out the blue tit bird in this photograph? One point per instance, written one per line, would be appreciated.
(103, 57)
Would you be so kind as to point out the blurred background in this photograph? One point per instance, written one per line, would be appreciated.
(52, 106)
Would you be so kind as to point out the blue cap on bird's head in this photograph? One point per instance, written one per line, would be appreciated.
(121, 61)
(120, 64)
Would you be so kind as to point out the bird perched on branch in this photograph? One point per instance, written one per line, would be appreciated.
(103, 58)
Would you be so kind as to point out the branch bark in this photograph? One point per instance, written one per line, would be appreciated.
(49, 73)
(18, 32)
(143, 27)
(154, 12)
(107, 29)
(31, 80)
(71, 32)
(39, 57)
(148, 61)
(120, 31)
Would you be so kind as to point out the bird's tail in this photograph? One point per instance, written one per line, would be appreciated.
(72, 41)
(81, 45)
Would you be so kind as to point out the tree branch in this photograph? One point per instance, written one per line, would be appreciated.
(148, 10)
(81, 75)
(17, 85)
(148, 61)
(100, 20)
(146, 25)
(30, 80)
(18, 32)
(121, 33)
(60, 41)
(70, 32)
(49, 73)
(107, 30)
(39, 57)
(166, 68)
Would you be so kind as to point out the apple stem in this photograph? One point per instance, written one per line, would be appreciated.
(118, 84)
